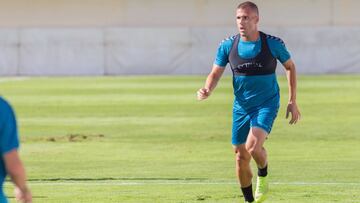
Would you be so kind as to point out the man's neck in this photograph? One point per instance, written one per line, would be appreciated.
(252, 37)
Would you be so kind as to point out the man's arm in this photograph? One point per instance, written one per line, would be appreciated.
(292, 106)
(211, 82)
(16, 171)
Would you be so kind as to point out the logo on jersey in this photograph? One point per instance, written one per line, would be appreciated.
(250, 65)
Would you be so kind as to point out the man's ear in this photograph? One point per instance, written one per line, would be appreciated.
(257, 19)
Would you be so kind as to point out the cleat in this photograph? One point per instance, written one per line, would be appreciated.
(262, 188)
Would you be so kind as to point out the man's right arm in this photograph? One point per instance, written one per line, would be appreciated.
(222, 58)
(211, 82)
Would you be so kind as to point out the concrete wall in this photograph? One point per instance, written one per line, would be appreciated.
(101, 37)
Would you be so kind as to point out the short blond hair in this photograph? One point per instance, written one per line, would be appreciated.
(250, 5)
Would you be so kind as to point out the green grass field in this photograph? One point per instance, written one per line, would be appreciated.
(147, 139)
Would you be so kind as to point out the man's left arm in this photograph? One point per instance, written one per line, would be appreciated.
(292, 105)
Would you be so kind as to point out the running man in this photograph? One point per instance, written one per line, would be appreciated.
(253, 56)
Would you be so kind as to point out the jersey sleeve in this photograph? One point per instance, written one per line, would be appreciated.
(8, 128)
(222, 55)
(278, 48)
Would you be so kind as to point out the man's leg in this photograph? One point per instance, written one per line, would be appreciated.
(254, 145)
(243, 171)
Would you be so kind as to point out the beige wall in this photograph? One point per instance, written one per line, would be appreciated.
(147, 13)
(346, 12)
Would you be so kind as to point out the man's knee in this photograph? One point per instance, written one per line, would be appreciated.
(254, 149)
(242, 157)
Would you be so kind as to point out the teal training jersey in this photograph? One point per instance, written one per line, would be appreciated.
(252, 91)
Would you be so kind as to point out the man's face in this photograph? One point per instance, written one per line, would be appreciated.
(246, 20)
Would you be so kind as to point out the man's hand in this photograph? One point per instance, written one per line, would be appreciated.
(23, 195)
(295, 113)
(203, 93)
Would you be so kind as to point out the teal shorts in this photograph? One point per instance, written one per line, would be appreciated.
(261, 117)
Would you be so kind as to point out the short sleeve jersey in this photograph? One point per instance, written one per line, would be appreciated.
(252, 91)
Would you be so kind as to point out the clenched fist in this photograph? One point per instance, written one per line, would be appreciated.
(203, 93)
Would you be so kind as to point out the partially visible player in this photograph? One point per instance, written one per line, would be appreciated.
(10, 163)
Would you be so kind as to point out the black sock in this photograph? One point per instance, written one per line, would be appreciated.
(248, 193)
(262, 172)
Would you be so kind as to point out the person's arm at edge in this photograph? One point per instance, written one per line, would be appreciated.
(16, 171)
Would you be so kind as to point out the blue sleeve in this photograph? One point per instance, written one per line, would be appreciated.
(222, 56)
(278, 49)
(8, 129)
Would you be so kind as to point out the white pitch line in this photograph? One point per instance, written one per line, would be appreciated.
(314, 183)
(129, 183)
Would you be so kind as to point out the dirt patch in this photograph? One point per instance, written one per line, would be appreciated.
(76, 137)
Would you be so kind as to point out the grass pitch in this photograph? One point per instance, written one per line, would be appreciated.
(147, 139)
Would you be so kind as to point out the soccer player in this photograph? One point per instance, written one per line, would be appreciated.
(10, 161)
(253, 56)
